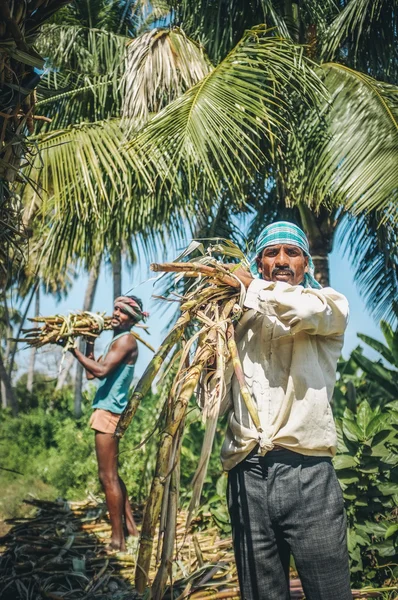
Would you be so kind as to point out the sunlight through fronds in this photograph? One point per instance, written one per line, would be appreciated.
(228, 124)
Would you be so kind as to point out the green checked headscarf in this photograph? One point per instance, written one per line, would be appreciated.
(283, 232)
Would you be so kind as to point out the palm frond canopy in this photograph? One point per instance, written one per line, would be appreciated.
(228, 123)
(371, 245)
(66, 99)
(348, 150)
(220, 24)
(364, 35)
(122, 17)
(82, 82)
(83, 50)
(160, 65)
(84, 166)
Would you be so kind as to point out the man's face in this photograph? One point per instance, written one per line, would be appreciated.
(283, 262)
(121, 321)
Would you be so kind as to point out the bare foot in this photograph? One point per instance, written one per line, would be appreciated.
(116, 546)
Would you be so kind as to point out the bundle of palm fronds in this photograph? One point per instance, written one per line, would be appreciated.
(204, 336)
(67, 328)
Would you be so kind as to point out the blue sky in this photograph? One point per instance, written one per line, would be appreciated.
(139, 279)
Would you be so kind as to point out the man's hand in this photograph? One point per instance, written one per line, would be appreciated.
(244, 276)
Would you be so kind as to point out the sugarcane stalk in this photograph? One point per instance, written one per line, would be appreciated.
(152, 508)
(212, 412)
(198, 298)
(196, 268)
(139, 338)
(240, 376)
(171, 526)
(144, 384)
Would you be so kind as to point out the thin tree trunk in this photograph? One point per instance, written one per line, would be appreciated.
(8, 397)
(321, 264)
(117, 273)
(25, 314)
(5, 359)
(63, 376)
(33, 350)
(320, 228)
(87, 305)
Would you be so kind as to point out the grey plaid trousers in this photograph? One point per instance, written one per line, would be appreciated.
(284, 503)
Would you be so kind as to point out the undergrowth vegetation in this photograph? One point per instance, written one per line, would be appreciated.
(46, 448)
(49, 453)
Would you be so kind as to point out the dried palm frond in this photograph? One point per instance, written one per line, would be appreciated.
(68, 328)
(210, 307)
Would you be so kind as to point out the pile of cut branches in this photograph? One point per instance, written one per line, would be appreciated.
(67, 328)
(203, 341)
(58, 553)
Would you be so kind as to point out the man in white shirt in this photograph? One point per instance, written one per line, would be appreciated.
(283, 493)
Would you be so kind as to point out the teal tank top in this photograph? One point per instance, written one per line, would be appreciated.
(112, 392)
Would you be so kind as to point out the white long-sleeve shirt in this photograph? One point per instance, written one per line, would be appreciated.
(289, 344)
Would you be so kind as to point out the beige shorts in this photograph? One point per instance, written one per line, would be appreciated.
(104, 421)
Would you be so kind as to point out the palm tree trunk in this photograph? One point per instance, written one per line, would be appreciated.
(63, 376)
(291, 11)
(87, 305)
(321, 264)
(117, 272)
(7, 393)
(33, 350)
(20, 327)
(320, 228)
(5, 383)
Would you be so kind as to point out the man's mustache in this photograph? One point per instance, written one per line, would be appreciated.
(278, 270)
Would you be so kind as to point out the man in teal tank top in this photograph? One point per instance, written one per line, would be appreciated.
(115, 370)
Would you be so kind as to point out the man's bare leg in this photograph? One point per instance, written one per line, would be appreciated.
(106, 448)
(128, 513)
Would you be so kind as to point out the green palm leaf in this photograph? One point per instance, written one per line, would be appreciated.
(354, 162)
(386, 378)
(228, 123)
(89, 51)
(68, 99)
(83, 80)
(364, 35)
(84, 166)
(371, 246)
(378, 346)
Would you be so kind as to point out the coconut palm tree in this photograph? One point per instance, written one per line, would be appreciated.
(263, 124)
(20, 23)
(95, 195)
(336, 159)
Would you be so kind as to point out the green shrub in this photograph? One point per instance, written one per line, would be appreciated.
(367, 469)
(52, 446)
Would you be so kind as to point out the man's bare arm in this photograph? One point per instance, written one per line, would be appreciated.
(90, 354)
(121, 349)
